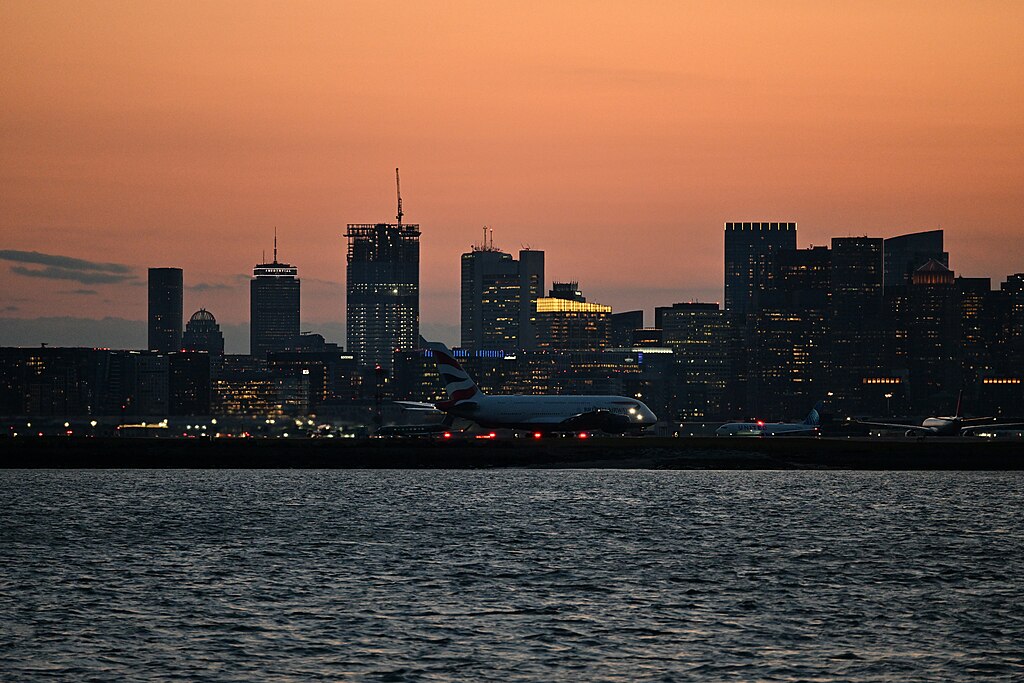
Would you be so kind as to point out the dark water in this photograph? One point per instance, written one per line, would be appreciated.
(512, 575)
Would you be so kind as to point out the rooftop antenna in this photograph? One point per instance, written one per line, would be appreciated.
(398, 187)
(492, 239)
(275, 244)
(483, 247)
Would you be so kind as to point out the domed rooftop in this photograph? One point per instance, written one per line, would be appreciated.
(933, 266)
(202, 315)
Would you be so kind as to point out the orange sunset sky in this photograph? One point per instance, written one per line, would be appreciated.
(616, 136)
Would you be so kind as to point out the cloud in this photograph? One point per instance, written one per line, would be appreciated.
(55, 267)
(82, 292)
(208, 287)
(12, 308)
(64, 262)
(86, 278)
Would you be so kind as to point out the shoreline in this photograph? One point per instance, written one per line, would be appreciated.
(738, 453)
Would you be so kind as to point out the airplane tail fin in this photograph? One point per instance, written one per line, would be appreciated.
(959, 402)
(457, 383)
(814, 417)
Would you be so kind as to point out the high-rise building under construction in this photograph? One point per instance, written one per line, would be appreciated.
(383, 289)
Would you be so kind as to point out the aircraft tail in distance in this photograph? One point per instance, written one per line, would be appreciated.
(457, 383)
(814, 417)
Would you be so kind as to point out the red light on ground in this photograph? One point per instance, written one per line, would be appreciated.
(492, 435)
(584, 435)
(447, 435)
(760, 423)
(537, 435)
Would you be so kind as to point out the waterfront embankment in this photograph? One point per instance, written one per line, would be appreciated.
(612, 453)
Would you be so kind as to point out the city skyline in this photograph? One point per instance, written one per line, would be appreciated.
(120, 332)
(620, 147)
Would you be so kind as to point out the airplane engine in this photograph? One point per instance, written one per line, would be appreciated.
(911, 432)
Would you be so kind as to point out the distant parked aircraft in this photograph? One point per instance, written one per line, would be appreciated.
(809, 426)
(539, 414)
(955, 425)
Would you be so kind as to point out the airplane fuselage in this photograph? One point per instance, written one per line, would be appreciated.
(942, 426)
(764, 429)
(615, 414)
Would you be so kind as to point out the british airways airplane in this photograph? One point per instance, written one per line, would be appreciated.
(539, 414)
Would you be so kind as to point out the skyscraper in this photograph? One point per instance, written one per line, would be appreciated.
(747, 248)
(273, 306)
(787, 334)
(383, 289)
(698, 335)
(165, 309)
(904, 254)
(933, 337)
(857, 331)
(623, 326)
(567, 322)
(499, 296)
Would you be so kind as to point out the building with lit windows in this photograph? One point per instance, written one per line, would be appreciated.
(383, 290)
(904, 254)
(926, 324)
(623, 326)
(202, 333)
(698, 334)
(748, 249)
(499, 295)
(188, 383)
(568, 324)
(273, 307)
(788, 332)
(856, 324)
(165, 309)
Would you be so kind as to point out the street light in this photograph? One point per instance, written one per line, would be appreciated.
(888, 412)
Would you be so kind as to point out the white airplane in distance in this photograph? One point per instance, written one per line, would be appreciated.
(809, 426)
(539, 414)
(954, 425)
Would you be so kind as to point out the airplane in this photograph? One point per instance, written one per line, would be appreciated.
(541, 415)
(954, 425)
(810, 425)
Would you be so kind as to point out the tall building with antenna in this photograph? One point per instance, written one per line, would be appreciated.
(499, 297)
(383, 288)
(273, 306)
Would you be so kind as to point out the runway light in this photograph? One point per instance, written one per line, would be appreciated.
(447, 435)
(584, 435)
(537, 435)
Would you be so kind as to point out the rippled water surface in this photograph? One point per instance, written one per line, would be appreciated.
(514, 575)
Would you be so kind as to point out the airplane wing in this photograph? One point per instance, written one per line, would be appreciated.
(541, 420)
(892, 425)
(418, 405)
(783, 432)
(965, 431)
(571, 421)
